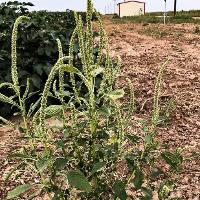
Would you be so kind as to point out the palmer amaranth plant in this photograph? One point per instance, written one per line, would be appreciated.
(91, 155)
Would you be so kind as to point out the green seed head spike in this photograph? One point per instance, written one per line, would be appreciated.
(61, 72)
(14, 72)
(157, 89)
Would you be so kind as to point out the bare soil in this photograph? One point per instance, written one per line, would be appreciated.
(142, 52)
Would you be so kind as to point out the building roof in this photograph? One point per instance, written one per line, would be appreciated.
(131, 1)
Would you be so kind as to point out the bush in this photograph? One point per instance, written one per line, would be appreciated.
(115, 16)
(81, 158)
(36, 44)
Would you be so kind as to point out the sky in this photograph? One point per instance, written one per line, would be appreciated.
(80, 5)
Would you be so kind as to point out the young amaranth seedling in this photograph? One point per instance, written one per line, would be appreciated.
(81, 160)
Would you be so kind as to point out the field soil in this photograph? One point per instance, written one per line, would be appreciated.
(143, 48)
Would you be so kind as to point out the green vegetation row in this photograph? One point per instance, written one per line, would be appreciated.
(190, 13)
(151, 18)
(37, 48)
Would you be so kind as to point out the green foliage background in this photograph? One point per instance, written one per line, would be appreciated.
(37, 48)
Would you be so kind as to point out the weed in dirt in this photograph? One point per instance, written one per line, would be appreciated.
(115, 33)
(167, 111)
(154, 32)
(179, 35)
(81, 159)
(197, 30)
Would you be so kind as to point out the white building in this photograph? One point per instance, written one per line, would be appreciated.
(131, 8)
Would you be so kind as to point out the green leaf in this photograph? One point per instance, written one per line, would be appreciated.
(66, 94)
(38, 68)
(48, 51)
(77, 179)
(105, 111)
(97, 71)
(71, 69)
(147, 194)
(119, 188)
(47, 69)
(173, 159)
(148, 139)
(22, 74)
(97, 167)
(103, 135)
(139, 178)
(42, 164)
(36, 80)
(53, 110)
(12, 171)
(130, 163)
(6, 99)
(156, 173)
(116, 94)
(18, 191)
(133, 138)
(60, 163)
(33, 107)
(60, 144)
(6, 122)
(63, 94)
(82, 141)
(23, 156)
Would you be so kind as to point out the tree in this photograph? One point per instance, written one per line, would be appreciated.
(175, 7)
